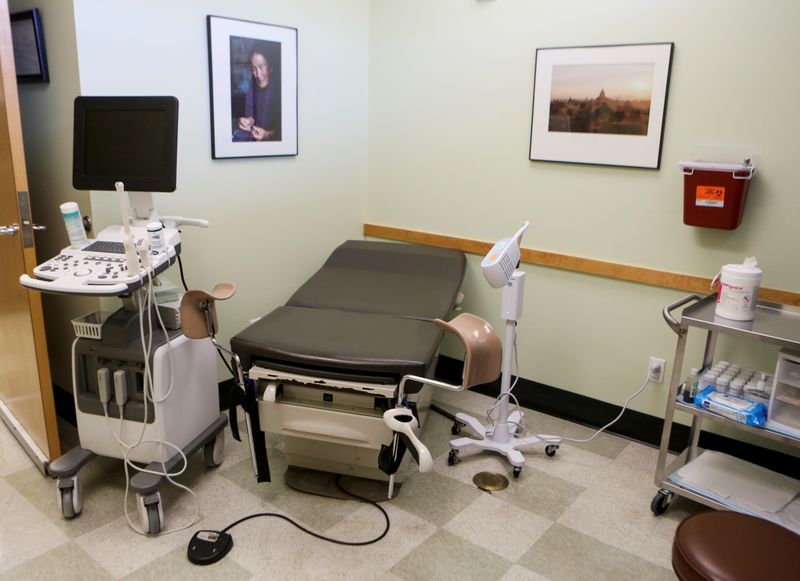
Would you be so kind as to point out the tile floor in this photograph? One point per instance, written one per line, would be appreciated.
(583, 514)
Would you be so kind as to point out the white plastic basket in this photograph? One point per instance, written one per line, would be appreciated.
(90, 325)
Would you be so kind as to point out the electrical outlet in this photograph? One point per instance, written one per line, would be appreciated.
(660, 365)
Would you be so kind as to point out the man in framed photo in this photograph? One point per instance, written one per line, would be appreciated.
(261, 120)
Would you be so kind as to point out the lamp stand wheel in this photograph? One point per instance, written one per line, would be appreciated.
(452, 457)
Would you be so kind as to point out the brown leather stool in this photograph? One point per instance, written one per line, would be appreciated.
(728, 546)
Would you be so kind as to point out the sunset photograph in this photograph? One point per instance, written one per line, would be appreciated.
(601, 98)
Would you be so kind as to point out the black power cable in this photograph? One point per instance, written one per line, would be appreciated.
(209, 546)
(180, 268)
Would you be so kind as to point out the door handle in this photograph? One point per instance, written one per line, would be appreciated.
(34, 227)
(9, 230)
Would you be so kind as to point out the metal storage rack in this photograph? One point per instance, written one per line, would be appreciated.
(774, 323)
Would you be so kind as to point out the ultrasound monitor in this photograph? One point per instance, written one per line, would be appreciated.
(133, 140)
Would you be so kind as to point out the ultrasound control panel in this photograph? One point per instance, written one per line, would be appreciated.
(93, 272)
(100, 268)
(96, 267)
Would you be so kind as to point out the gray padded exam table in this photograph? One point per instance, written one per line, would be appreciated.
(327, 364)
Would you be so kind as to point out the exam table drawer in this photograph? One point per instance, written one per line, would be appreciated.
(324, 425)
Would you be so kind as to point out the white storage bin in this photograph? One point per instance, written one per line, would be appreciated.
(784, 405)
(90, 325)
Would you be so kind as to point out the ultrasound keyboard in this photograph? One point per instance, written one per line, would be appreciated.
(105, 246)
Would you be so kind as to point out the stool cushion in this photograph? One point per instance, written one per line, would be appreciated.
(727, 546)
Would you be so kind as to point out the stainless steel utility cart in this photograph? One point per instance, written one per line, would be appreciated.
(774, 323)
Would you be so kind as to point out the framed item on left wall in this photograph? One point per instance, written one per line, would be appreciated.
(253, 81)
(30, 58)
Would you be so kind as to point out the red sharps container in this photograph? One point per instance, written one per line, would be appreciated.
(714, 193)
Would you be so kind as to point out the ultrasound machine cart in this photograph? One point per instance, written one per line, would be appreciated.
(112, 397)
(189, 417)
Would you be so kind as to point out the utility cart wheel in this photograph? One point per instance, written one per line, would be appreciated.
(516, 472)
(452, 457)
(661, 502)
(151, 512)
(550, 449)
(456, 428)
(214, 452)
(69, 497)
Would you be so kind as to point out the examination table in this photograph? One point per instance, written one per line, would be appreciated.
(327, 364)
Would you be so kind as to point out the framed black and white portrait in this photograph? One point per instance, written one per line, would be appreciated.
(253, 78)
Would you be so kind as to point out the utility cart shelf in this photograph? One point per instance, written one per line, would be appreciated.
(775, 324)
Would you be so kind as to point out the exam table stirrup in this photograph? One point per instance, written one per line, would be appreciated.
(199, 320)
(483, 354)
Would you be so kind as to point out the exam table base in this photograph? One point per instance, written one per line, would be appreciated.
(325, 484)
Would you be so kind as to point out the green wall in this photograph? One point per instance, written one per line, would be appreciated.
(450, 94)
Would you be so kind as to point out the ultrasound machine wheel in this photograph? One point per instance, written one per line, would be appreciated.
(69, 496)
(214, 451)
(151, 512)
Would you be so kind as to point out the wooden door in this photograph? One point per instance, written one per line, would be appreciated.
(26, 391)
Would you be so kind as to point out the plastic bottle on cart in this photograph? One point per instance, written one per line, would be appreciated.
(765, 382)
(751, 388)
(720, 367)
(74, 224)
(709, 379)
(737, 387)
(692, 381)
(722, 384)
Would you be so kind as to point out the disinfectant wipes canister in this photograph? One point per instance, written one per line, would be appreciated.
(737, 293)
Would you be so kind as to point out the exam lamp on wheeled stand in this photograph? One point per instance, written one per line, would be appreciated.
(501, 269)
(485, 358)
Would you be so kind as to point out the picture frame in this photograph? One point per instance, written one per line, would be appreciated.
(253, 84)
(27, 37)
(601, 105)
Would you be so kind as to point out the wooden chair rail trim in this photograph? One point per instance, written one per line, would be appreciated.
(626, 272)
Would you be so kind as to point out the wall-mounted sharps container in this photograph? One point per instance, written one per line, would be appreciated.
(714, 194)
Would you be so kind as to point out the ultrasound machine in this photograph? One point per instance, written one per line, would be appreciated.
(143, 391)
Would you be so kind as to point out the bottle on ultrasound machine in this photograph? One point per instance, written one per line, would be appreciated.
(74, 224)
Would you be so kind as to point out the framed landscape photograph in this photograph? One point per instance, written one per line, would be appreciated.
(600, 105)
(253, 79)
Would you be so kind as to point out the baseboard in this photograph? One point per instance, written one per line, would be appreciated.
(633, 424)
